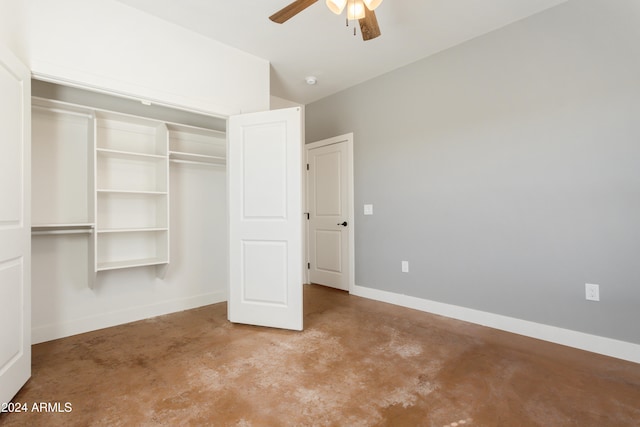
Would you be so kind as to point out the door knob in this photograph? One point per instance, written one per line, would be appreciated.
(344, 224)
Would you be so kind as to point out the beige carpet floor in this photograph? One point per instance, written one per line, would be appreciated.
(357, 363)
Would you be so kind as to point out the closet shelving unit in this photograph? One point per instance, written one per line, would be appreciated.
(132, 192)
(105, 175)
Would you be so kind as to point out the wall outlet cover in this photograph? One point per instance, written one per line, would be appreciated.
(592, 291)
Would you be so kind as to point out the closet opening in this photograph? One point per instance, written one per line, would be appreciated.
(129, 210)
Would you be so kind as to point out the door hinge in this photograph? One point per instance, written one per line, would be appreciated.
(308, 266)
(307, 166)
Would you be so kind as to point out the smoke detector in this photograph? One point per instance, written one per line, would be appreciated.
(311, 80)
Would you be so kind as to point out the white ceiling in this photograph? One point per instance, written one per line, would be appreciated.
(316, 42)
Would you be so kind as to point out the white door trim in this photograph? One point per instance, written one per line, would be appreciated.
(348, 139)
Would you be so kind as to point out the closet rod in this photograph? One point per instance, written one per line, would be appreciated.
(69, 231)
(194, 162)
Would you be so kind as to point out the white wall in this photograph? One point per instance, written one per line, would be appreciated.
(12, 27)
(108, 45)
(278, 103)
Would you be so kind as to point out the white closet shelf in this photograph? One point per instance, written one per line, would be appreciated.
(196, 162)
(196, 159)
(194, 156)
(114, 265)
(62, 111)
(121, 153)
(58, 107)
(131, 230)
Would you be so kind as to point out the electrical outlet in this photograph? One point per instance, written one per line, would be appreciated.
(368, 209)
(592, 291)
(405, 266)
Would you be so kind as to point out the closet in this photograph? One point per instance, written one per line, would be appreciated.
(128, 210)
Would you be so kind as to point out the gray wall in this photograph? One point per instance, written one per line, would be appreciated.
(506, 170)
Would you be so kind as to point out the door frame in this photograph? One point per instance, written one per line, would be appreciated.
(348, 139)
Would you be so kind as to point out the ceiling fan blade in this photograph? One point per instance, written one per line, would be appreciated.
(288, 12)
(369, 25)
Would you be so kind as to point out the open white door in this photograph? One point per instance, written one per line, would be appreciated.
(264, 169)
(15, 227)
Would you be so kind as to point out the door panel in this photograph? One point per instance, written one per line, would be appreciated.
(11, 297)
(328, 200)
(15, 229)
(329, 260)
(327, 171)
(264, 164)
(264, 178)
(264, 262)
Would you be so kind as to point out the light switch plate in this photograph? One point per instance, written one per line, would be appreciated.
(405, 266)
(368, 209)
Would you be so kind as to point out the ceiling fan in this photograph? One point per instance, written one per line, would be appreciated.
(362, 10)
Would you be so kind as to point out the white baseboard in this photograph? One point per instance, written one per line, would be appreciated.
(593, 343)
(50, 332)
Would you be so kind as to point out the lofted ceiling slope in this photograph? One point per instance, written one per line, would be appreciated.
(317, 43)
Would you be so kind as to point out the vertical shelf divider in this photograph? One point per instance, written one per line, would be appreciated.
(162, 141)
(91, 199)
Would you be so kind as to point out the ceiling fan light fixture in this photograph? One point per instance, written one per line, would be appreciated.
(372, 4)
(355, 10)
(336, 6)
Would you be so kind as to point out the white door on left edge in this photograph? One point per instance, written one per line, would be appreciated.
(264, 170)
(15, 227)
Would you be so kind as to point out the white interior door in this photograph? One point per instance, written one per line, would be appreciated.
(264, 167)
(330, 217)
(15, 228)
